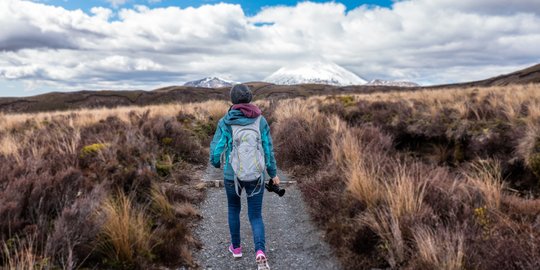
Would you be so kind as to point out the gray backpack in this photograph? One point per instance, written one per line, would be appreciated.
(247, 154)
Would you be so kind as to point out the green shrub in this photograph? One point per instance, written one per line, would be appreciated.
(534, 158)
(164, 166)
(347, 100)
(167, 141)
(93, 149)
(534, 162)
(459, 153)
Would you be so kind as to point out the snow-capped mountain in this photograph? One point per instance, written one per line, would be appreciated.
(378, 82)
(317, 72)
(210, 82)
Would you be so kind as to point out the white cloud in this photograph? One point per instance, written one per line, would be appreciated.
(117, 3)
(101, 13)
(428, 41)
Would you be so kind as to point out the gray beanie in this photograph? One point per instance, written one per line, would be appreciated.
(241, 94)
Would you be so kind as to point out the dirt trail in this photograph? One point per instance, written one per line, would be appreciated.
(292, 241)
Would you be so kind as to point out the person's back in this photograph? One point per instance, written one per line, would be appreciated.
(240, 135)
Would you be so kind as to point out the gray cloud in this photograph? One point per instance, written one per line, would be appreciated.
(428, 41)
(18, 41)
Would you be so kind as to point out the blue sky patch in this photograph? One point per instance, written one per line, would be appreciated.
(250, 7)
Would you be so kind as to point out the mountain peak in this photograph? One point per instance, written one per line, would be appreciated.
(378, 82)
(210, 82)
(318, 72)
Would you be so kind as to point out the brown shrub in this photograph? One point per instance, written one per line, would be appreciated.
(73, 239)
(172, 244)
(509, 246)
(175, 139)
(299, 142)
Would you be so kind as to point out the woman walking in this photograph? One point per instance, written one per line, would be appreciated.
(243, 136)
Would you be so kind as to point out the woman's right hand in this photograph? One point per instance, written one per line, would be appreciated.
(276, 180)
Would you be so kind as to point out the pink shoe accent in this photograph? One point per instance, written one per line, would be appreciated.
(260, 253)
(262, 262)
(236, 252)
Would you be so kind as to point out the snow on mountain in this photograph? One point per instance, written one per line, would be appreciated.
(210, 82)
(317, 73)
(378, 82)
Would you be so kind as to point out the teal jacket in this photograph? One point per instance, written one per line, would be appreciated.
(222, 141)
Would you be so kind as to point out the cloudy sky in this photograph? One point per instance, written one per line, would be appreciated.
(65, 45)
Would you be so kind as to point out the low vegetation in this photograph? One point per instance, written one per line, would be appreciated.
(425, 179)
(103, 188)
(431, 179)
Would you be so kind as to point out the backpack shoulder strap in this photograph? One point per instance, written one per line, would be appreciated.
(257, 123)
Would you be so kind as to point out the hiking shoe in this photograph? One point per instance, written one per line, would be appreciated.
(236, 252)
(262, 262)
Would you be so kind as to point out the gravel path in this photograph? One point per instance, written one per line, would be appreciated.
(292, 242)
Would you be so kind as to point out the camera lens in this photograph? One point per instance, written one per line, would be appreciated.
(275, 188)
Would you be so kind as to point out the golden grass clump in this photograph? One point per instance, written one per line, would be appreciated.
(363, 184)
(485, 175)
(529, 148)
(387, 226)
(358, 165)
(160, 203)
(361, 155)
(20, 254)
(10, 146)
(404, 193)
(298, 109)
(440, 249)
(126, 233)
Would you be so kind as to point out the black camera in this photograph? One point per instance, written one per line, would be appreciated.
(274, 188)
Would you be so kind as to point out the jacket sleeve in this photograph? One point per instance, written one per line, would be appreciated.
(218, 145)
(270, 160)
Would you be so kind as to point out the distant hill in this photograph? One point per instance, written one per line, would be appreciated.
(92, 99)
(210, 82)
(524, 76)
(378, 82)
(262, 90)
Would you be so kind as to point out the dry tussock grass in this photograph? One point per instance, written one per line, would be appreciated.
(297, 108)
(442, 249)
(485, 175)
(404, 192)
(360, 165)
(160, 203)
(126, 233)
(363, 183)
(10, 147)
(21, 255)
(387, 226)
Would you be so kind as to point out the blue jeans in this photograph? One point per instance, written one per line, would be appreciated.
(254, 212)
